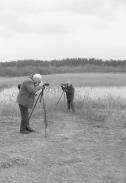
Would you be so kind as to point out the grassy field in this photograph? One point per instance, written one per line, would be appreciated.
(88, 79)
(82, 79)
(87, 146)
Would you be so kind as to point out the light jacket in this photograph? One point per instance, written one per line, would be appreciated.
(27, 92)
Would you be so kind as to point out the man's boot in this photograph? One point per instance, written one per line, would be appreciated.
(29, 129)
(24, 132)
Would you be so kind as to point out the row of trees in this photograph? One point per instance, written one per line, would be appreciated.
(25, 67)
(65, 62)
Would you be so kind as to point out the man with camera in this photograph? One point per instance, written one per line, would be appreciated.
(25, 99)
(69, 90)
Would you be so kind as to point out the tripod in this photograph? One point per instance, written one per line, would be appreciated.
(40, 97)
(60, 98)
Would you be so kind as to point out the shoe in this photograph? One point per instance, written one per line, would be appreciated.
(29, 129)
(24, 132)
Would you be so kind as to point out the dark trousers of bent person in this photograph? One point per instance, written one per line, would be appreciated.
(24, 118)
(70, 105)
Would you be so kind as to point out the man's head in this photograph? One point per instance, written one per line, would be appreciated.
(37, 78)
(69, 82)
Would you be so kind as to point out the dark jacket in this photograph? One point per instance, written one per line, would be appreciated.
(27, 92)
(69, 92)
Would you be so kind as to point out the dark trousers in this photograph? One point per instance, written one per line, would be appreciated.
(70, 105)
(24, 117)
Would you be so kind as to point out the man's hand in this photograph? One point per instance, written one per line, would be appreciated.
(41, 85)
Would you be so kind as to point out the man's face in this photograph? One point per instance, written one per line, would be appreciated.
(37, 81)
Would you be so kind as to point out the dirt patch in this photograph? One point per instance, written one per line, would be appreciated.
(12, 163)
(76, 150)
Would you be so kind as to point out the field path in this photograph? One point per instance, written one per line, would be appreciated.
(75, 151)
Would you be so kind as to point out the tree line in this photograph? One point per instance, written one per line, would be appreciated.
(68, 65)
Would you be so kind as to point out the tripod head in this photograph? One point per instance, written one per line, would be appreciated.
(64, 86)
(46, 84)
(42, 91)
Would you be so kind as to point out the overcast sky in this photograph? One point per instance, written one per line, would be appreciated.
(57, 29)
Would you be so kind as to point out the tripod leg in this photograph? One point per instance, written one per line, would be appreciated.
(41, 96)
(45, 116)
(59, 99)
(64, 100)
(34, 107)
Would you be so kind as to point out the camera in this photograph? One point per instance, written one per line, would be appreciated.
(19, 86)
(64, 86)
(46, 84)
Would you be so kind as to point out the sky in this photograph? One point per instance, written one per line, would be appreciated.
(59, 29)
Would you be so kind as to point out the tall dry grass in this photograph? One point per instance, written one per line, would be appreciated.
(85, 108)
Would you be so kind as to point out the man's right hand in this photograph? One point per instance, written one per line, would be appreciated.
(41, 84)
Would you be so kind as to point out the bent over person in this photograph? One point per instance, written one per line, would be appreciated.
(69, 89)
(25, 99)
